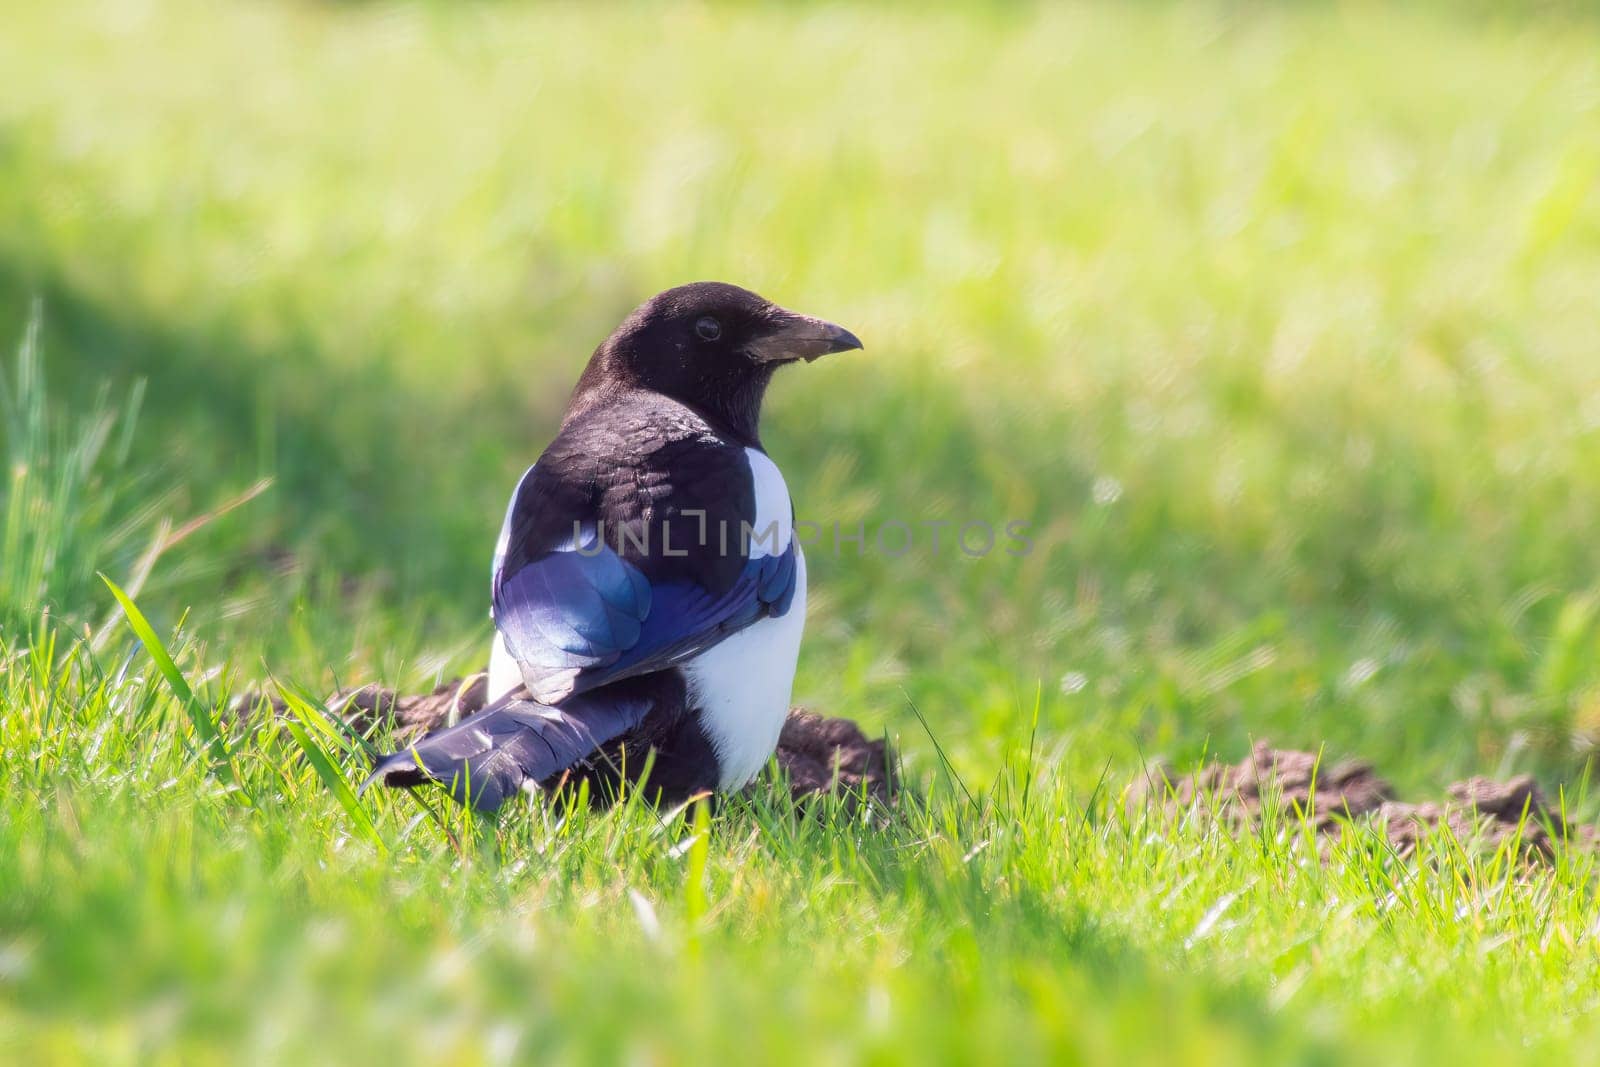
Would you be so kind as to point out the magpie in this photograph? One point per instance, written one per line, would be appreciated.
(648, 590)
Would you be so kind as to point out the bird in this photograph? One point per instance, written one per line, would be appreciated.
(648, 588)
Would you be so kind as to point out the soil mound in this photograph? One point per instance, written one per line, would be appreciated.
(1489, 812)
(1297, 780)
(1479, 811)
(826, 755)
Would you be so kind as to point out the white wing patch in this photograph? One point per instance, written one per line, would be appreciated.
(774, 524)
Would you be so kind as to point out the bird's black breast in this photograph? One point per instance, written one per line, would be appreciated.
(666, 490)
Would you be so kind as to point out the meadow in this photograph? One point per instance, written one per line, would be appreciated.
(1274, 325)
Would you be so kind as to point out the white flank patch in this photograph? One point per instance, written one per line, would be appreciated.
(742, 686)
(505, 525)
(504, 674)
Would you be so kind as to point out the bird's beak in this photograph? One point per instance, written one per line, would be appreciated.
(801, 337)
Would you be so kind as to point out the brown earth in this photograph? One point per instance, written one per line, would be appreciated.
(826, 755)
(1478, 811)
(1496, 811)
(1240, 791)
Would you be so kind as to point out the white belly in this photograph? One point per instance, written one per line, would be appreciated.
(742, 687)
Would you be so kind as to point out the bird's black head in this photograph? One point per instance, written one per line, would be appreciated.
(713, 346)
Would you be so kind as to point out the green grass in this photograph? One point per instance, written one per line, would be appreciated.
(1275, 322)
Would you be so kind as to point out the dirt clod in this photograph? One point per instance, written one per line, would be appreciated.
(1297, 780)
(823, 755)
(1479, 811)
(1489, 812)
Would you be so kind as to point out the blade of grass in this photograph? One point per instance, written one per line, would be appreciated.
(205, 726)
(354, 745)
(300, 714)
(332, 726)
(948, 768)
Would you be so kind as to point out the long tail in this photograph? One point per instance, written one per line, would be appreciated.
(486, 758)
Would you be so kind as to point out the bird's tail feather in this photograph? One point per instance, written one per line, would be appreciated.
(486, 758)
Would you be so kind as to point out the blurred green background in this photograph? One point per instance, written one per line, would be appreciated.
(1277, 324)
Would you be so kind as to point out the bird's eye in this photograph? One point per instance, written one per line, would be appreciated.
(708, 328)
